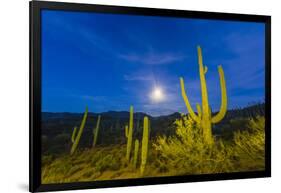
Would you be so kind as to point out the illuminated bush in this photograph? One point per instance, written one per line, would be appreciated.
(249, 145)
(188, 153)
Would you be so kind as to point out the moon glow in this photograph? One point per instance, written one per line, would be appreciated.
(157, 95)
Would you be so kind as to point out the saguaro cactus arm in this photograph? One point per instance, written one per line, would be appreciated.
(223, 108)
(199, 112)
(79, 134)
(186, 101)
(96, 131)
(73, 134)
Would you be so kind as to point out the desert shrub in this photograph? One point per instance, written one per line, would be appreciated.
(187, 153)
(88, 173)
(74, 169)
(62, 139)
(45, 143)
(238, 123)
(95, 157)
(57, 145)
(249, 145)
(108, 162)
(47, 159)
(227, 129)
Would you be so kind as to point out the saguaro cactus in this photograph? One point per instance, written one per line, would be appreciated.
(204, 116)
(144, 145)
(129, 134)
(96, 131)
(76, 138)
(135, 161)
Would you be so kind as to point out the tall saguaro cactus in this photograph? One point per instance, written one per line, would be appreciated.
(144, 145)
(129, 134)
(76, 137)
(96, 131)
(204, 116)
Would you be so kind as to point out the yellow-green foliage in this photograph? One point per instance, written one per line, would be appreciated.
(93, 164)
(204, 116)
(144, 145)
(249, 145)
(47, 160)
(135, 161)
(187, 152)
(96, 132)
(129, 134)
(184, 153)
(79, 134)
(88, 165)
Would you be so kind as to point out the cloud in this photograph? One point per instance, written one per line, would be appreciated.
(131, 77)
(140, 75)
(96, 41)
(151, 58)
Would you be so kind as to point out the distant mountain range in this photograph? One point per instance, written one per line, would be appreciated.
(246, 111)
(57, 127)
(112, 114)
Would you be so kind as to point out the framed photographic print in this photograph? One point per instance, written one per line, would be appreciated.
(123, 96)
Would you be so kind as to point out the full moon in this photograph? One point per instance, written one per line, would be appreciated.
(157, 95)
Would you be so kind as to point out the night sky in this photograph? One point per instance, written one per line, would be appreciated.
(111, 61)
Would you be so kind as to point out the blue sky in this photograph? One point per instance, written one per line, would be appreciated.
(111, 61)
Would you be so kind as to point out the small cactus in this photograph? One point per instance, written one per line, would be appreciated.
(129, 134)
(96, 131)
(135, 161)
(144, 146)
(76, 137)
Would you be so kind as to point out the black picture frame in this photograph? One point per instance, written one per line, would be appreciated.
(35, 184)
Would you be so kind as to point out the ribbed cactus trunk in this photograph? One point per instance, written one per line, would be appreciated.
(76, 138)
(204, 116)
(144, 145)
(129, 134)
(136, 152)
(96, 131)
